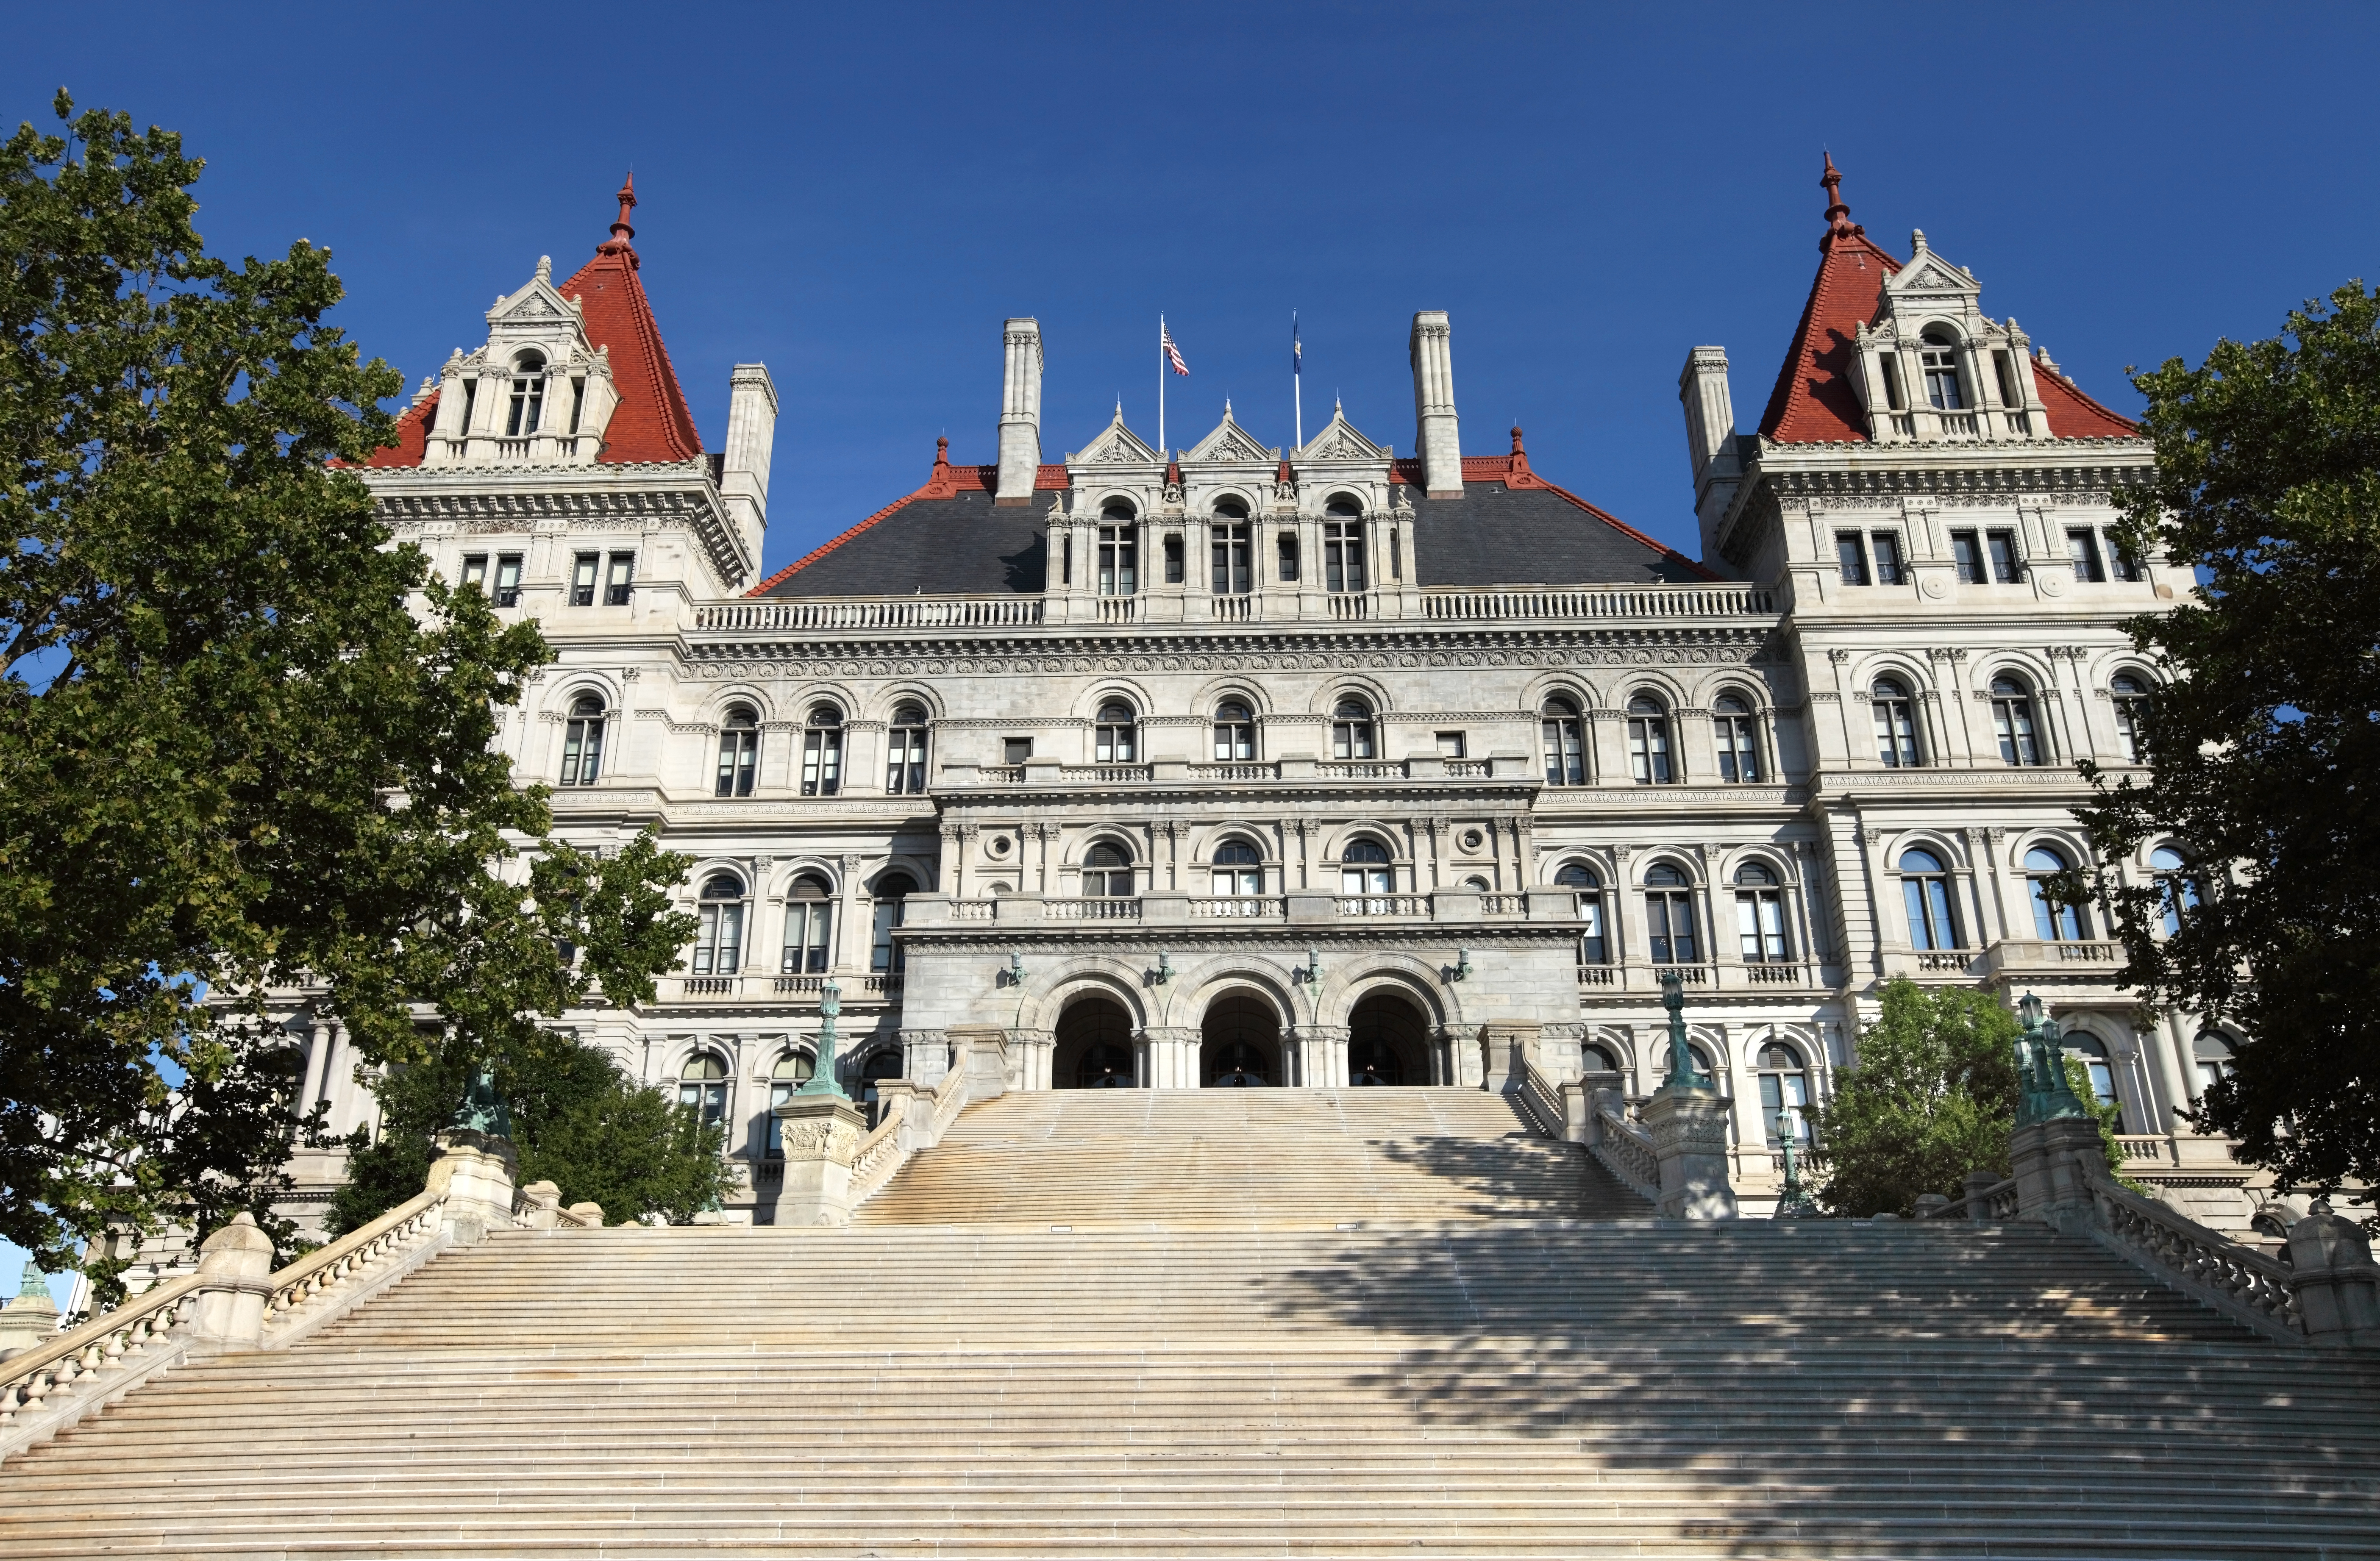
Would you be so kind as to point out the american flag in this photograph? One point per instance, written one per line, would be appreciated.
(1172, 353)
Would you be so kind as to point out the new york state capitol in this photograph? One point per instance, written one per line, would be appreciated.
(1238, 766)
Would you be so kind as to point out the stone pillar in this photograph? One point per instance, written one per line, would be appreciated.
(1689, 1129)
(981, 1051)
(1436, 437)
(478, 1172)
(1020, 412)
(1172, 1057)
(1975, 1185)
(1321, 1055)
(924, 1057)
(820, 1133)
(2055, 1162)
(1032, 1054)
(1508, 1048)
(1582, 1100)
(235, 1281)
(2337, 1285)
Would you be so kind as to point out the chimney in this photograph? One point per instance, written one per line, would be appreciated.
(1020, 413)
(751, 438)
(1436, 439)
(1710, 439)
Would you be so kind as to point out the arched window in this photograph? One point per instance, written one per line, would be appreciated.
(892, 891)
(905, 765)
(1593, 1058)
(1113, 735)
(2053, 920)
(1565, 753)
(1937, 357)
(879, 1067)
(793, 1071)
(582, 742)
(1739, 745)
(739, 752)
(1784, 1086)
(1236, 732)
(1351, 730)
(1760, 915)
(1649, 741)
(702, 1087)
(1699, 1059)
(2088, 1050)
(1239, 870)
(2212, 1053)
(1229, 533)
(1669, 914)
(1107, 870)
(1895, 728)
(1365, 868)
(1119, 549)
(2012, 721)
(809, 926)
(719, 936)
(1343, 544)
(822, 752)
(2131, 700)
(2176, 891)
(528, 396)
(1925, 888)
(1593, 949)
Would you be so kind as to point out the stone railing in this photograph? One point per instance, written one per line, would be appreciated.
(1986, 1201)
(1093, 908)
(51, 1385)
(1641, 601)
(1361, 770)
(1503, 904)
(1105, 774)
(1626, 1149)
(2236, 1280)
(909, 1126)
(351, 1257)
(1236, 771)
(1384, 905)
(1540, 1100)
(878, 1157)
(1239, 907)
(880, 613)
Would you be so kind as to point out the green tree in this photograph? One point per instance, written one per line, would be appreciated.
(246, 745)
(1930, 1097)
(2264, 747)
(579, 1121)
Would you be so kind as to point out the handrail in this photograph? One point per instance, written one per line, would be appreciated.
(105, 1341)
(1627, 1150)
(1997, 1202)
(872, 612)
(878, 1157)
(326, 1267)
(2236, 1279)
(889, 1147)
(1539, 1098)
(1633, 601)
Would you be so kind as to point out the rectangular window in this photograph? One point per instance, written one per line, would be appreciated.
(1015, 750)
(1396, 554)
(1449, 744)
(618, 578)
(475, 571)
(1066, 559)
(508, 571)
(1230, 560)
(2083, 546)
(1887, 557)
(582, 579)
(1852, 555)
(1174, 558)
(577, 402)
(2005, 371)
(1343, 555)
(2007, 568)
(1892, 383)
(1760, 927)
(1119, 561)
(1967, 551)
(2123, 562)
(1288, 556)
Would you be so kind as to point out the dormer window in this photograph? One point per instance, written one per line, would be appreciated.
(1937, 356)
(528, 396)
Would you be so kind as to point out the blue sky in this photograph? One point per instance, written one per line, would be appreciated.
(857, 196)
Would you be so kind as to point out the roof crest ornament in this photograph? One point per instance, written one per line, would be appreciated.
(1838, 216)
(621, 242)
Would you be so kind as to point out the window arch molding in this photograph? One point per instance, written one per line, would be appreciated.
(1358, 506)
(1216, 690)
(1660, 683)
(1210, 506)
(1595, 861)
(1904, 670)
(2065, 842)
(1348, 686)
(1641, 872)
(704, 869)
(795, 704)
(719, 702)
(1949, 847)
(1778, 862)
(787, 871)
(885, 701)
(592, 686)
(1118, 506)
(693, 1047)
(1204, 844)
(2037, 676)
(1334, 845)
(1114, 690)
(1559, 685)
(1134, 851)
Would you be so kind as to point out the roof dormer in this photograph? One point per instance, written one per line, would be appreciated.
(1933, 367)
(539, 391)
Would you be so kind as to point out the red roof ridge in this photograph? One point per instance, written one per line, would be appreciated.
(2092, 406)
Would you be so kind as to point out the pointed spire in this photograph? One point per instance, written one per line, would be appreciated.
(620, 243)
(1838, 216)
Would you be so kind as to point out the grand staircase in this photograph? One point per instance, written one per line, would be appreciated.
(1133, 1325)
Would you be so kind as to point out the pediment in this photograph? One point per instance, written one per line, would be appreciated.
(537, 307)
(1930, 273)
(1229, 442)
(1116, 446)
(1339, 441)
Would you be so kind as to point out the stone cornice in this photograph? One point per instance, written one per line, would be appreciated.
(528, 499)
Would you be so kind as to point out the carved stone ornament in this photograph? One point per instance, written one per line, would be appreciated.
(829, 1138)
(1690, 1132)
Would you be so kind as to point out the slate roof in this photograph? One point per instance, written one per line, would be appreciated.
(1511, 528)
(1814, 401)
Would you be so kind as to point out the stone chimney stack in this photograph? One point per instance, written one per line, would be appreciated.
(1436, 439)
(1710, 439)
(1020, 413)
(751, 439)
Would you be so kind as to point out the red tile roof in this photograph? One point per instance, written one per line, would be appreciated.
(2073, 414)
(412, 436)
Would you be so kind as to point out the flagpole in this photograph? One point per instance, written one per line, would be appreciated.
(1161, 388)
(1297, 380)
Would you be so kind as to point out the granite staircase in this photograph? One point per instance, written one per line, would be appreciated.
(1151, 1382)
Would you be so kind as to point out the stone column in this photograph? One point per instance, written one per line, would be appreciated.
(235, 1281)
(1322, 1053)
(1033, 1052)
(1172, 1057)
(2337, 1285)
(820, 1133)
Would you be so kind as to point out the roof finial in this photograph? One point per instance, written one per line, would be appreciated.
(1838, 216)
(1516, 439)
(622, 234)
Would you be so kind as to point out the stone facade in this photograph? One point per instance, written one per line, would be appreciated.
(1237, 764)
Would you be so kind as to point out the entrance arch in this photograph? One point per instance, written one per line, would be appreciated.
(1094, 1047)
(1240, 1043)
(1388, 1042)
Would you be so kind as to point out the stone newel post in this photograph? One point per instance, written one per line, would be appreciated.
(1687, 1118)
(820, 1129)
(2337, 1285)
(2056, 1149)
(235, 1281)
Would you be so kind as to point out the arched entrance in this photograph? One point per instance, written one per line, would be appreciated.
(1388, 1042)
(1094, 1046)
(1240, 1043)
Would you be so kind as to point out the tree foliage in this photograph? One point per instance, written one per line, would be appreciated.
(245, 743)
(577, 1121)
(2264, 747)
